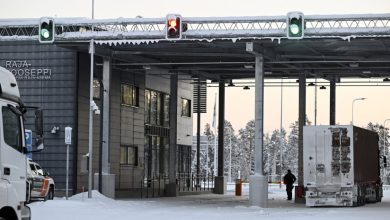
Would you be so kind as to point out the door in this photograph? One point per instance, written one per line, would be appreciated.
(13, 160)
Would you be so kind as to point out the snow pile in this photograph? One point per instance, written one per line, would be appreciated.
(210, 206)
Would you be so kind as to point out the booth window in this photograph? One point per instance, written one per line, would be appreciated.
(129, 155)
(129, 95)
(185, 107)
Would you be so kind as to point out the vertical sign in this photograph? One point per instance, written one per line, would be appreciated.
(28, 136)
(68, 141)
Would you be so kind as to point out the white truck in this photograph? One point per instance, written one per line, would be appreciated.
(341, 166)
(13, 159)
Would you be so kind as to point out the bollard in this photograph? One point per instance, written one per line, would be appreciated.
(238, 187)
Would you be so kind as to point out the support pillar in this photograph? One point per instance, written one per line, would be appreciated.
(299, 190)
(171, 189)
(258, 184)
(220, 180)
(332, 104)
(104, 180)
(198, 135)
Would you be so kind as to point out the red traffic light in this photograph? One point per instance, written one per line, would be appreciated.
(173, 27)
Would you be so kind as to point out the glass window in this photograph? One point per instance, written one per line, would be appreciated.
(129, 95)
(147, 106)
(166, 110)
(32, 167)
(12, 129)
(156, 108)
(159, 109)
(129, 155)
(186, 107)
(153, 108)
(39, 170)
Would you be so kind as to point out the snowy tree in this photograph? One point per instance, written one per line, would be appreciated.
(230, 145)
(290, 156)
(246, 149)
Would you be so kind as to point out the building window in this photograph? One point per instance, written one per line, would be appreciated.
(129, 95)
(185, 107)
(156, 108)
(129, 155)
(96, 89)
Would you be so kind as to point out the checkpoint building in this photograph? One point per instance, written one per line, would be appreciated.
(56, 79)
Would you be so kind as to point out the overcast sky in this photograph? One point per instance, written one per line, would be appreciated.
(376, 108)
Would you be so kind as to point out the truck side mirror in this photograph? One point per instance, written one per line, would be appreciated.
(39, 129)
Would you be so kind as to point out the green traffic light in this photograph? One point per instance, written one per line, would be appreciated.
(46, 30)
(294, 29)
(45, 33)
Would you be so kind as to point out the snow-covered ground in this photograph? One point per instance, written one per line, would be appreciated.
(210, 206)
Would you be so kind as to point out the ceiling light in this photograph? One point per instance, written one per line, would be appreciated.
(322, 87)
(354, 65)
(386, 79)
(231, 83)
(248, 66)
(311, 84)
(246, 88)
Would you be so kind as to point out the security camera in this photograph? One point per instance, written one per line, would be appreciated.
(95, 108)
(55, 130)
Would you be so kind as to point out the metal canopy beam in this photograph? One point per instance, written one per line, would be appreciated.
(211, 28)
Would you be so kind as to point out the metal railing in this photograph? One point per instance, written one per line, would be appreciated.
(189, 182)
(73, 29)
(185, 182)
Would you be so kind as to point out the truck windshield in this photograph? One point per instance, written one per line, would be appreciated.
(12, 129)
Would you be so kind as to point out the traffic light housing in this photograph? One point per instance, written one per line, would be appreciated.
(295, 25)
(46, 30)
(173, 27)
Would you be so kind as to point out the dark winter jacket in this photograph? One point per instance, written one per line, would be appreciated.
(289, 179)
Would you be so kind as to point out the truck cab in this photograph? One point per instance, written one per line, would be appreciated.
(13, 159)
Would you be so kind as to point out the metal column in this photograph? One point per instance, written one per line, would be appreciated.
(221, 126)
(332, 104)
(302, 121)
(171, 187)
(220, 181)
(258, 188)
(106, 115)
(198, 136)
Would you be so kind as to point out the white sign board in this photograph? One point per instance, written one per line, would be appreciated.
(68, 135)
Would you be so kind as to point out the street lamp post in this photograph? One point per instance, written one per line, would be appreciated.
(90, 128)
(384, 148)
(280, 135)
(230, 157)
(353, 102)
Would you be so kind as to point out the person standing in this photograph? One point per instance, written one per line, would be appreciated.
(289, 180)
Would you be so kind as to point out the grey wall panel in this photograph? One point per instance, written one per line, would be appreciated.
(46, 75)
